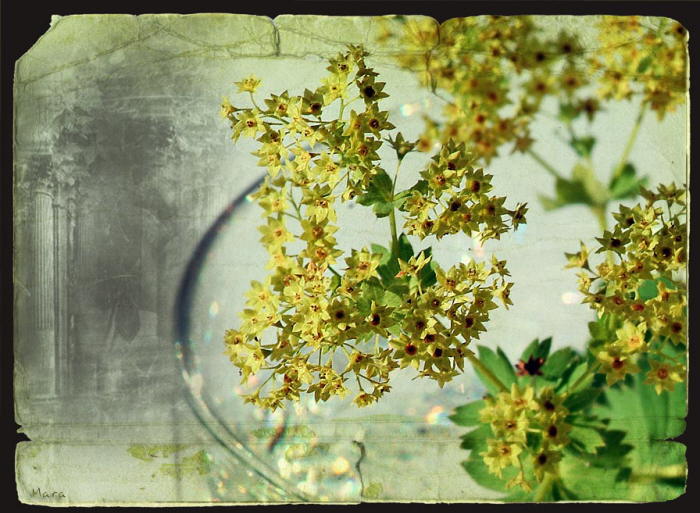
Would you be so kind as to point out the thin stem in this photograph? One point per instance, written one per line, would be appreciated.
(544, 487)
(342, 109)
(590, 370)
(630, 141)
(478, 365)
(255, 104)
(334, 271)
(291, 215)
(392, 214)
(599, 211)
(294, 204)
(546, 165)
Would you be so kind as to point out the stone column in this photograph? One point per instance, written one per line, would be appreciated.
(62, 263)
(43, 285)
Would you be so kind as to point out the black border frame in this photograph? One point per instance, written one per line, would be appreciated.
(24, 22)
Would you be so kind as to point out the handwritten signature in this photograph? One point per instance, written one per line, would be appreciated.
(47, 494)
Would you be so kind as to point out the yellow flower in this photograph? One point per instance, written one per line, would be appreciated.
(546, 461)
(664, 375)
(512, 425)
(413, 266)
(616, 365)
(275, 234)
(226, 108)
(500, 454)
(579, 259)
(249, 84)
(630, 337)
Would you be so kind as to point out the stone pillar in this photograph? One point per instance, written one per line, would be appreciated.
(43, 285)
(62, 263)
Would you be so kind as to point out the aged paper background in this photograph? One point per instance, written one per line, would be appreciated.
(121, 162)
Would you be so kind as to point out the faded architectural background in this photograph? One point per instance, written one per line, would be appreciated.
(121, 163)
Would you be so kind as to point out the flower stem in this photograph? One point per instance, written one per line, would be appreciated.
(544, 487)
(590, 370)
(546, 165)
(478, 365)
(392, 214)
(630, 141)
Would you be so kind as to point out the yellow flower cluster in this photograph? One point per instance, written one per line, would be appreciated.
(458, 199)
(642, 57)
(312, 326)
(530, 432)
(497, 70)
(643, 283)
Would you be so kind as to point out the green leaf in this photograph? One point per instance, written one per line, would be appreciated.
(598, 329)
(571, 373)
(589, 438)
(583, 173)
(583, 187)
(381, 250)
(583, 146)
(647, 290)
(626, 184)
(364, 305)
(533, 440)
(499, 365)
(529, 350)
(335, 282)
(378, 194)
(382, 209)
(405, 248)
(567, 112)
(479, 472)
(613, 453)
(572, 191)
(468, 414)
(475, 440)
(400, 198)
(549, 203)
(537, 349)
(554, 365)
(581, 400)
(427, 275)
(421, 186)
(644, 64)
(391, 299)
